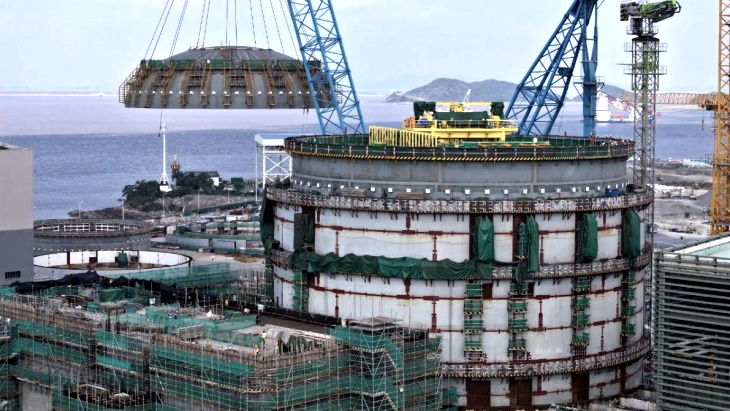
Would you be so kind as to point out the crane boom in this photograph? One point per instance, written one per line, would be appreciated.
(332, 89)
(720, 207)
(541, 94)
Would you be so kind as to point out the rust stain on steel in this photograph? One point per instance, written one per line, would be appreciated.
(549, 206)
(527, 368)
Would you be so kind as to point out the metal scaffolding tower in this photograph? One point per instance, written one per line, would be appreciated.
(275, 161)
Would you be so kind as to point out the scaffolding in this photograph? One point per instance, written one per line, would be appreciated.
(168, 357)
(393, 368)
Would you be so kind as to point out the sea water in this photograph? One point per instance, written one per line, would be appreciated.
(86, 148)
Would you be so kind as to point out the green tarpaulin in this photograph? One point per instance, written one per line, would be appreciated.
(303, 231)
(266, 225)
(450, 270)
(122, 260)
(461, 115)
(498, 109)
(404, 267)
(484, 240)
(588, 238)
(390, 267)
(533, 253)
(630, 234)
(420, 107)
(519, 271)
(352, 263)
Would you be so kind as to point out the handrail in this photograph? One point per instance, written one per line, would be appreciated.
(559, 149)
(461, 207)
(541, 367)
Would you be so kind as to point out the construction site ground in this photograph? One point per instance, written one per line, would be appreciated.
(684, 211)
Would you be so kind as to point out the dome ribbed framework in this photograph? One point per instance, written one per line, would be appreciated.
(233, 77)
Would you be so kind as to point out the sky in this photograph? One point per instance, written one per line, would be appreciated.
(390, 44)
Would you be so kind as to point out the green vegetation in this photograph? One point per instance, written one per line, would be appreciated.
(143, 195)
(146, 196)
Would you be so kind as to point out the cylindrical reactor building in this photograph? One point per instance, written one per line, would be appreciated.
(528, 259)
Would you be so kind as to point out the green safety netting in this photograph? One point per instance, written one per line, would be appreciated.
(630, 234)
(390, 267)
(484, 240)
(533, 246)
(111, 294)
(303, 231)
(588, 238)
(64, 402)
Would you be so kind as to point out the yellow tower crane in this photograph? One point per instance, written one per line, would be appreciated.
(720, 207)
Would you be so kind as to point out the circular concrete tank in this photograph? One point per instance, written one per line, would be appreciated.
(553, 313)
(86, 234)
(57, 265)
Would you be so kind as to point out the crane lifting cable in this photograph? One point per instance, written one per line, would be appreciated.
(222, 76)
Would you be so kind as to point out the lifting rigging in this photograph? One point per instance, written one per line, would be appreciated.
(231, 76)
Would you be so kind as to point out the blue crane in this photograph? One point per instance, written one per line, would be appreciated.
(541, 94)
(328, 74)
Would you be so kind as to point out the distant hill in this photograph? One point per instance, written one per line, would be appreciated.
(613, 91)
(446, 89)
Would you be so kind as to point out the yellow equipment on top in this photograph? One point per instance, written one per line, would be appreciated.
(450, 124)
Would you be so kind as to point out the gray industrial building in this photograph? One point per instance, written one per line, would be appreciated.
(16, 214)
(692, 308)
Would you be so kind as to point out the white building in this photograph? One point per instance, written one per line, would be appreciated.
(16, 214)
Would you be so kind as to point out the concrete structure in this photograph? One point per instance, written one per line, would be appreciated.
(567, 330)
(219, 77)
(108, 262)
(691, 320)
(16, 214)
(86, 234)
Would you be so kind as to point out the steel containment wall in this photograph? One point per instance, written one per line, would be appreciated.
(554, 314)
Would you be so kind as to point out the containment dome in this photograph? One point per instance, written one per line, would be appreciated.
(219, 77)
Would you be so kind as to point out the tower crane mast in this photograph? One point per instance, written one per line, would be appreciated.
(720, 207)
(645, 70)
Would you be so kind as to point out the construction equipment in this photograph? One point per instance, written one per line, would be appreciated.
(720, 207)
(645, 70)
(334, 96)
(541, 94)
(655, 12)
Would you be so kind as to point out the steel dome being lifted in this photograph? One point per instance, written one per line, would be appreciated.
(218, 77)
